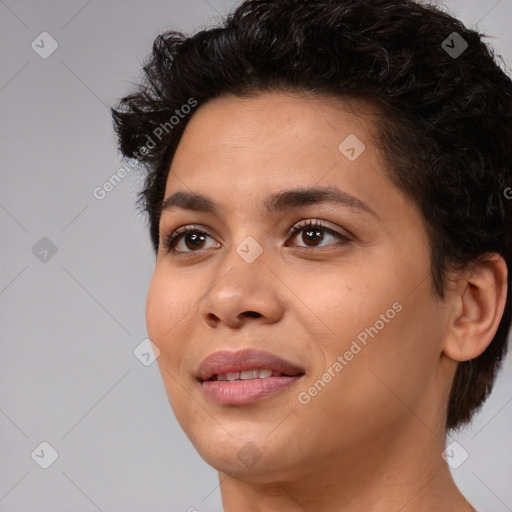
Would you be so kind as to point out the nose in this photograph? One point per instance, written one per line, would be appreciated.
(241, 293)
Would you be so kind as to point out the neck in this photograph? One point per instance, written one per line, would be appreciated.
(406, 474)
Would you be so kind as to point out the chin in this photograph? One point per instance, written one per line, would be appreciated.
(240, 452)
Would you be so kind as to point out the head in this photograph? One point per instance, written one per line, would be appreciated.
(356, 96)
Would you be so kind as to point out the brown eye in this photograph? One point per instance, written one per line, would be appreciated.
(313, 233)
(194, 240)
(185, 240)
(312, 236)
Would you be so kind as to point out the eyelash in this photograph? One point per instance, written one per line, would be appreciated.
(169, 241)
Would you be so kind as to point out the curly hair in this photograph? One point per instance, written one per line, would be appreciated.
(445, 128)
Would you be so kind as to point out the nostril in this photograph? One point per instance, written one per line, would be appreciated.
(252, 314)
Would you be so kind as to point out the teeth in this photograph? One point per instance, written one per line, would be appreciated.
(249, 374)
(256, 373)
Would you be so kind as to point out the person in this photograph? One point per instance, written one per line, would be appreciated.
(328, 195)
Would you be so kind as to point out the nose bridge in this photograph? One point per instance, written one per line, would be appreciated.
(247, 240)
(240, 287)
(249, 250)
(243, 268)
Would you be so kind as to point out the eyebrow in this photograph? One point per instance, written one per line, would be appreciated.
(279, 202)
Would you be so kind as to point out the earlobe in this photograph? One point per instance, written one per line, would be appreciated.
(480, 301)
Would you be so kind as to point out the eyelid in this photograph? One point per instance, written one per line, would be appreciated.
(326, 226)
(168, 241)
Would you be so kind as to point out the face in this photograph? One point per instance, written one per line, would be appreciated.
(302, 250)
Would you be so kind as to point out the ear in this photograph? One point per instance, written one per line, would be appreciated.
(478, 305)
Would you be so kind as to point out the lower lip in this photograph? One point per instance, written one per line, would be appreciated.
(241, 392)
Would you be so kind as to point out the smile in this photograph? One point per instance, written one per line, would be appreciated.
(245, 376)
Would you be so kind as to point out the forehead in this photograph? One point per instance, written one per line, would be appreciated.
(240, 151)
(275, 134)
(276, 123)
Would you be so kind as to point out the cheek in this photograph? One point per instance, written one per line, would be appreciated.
(167, 311)
(381, 381)
(400, 359)
(166, 314)
(345, 299)
(388, 326)
(417, 338)
(159, 312)
(167, 305)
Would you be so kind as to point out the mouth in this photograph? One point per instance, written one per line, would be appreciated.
(245, 376)
(254, 373)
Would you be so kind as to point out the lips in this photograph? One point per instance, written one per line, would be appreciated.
(245, 376)
(228, 362)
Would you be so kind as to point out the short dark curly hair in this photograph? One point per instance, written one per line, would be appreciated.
(445, 128)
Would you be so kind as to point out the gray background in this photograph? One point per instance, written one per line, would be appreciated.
(70, 324)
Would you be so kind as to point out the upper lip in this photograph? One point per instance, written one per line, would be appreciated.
(225, 361)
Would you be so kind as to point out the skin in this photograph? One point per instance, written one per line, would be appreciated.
(372, 438)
